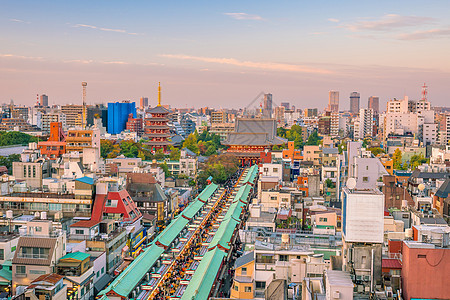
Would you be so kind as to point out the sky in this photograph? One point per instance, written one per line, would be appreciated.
(223, 54)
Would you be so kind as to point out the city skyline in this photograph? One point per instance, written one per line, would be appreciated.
(295, 51)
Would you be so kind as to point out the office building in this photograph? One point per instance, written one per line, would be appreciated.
(118, 113)
(43, 100)
(286, 105)
(143, 102)
(74, 115)
(218, 117)
(267, 107)
(374, 103)
(333, 101)
(354, 102)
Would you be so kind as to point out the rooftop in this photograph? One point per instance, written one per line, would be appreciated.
(339, 278)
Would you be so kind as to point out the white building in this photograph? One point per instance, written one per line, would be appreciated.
(363, 215)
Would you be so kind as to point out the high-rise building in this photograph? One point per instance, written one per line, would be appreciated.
(354, 102)
(374, 103)
(74, 115)
(267, 105)
(43, 100)
(285, 104)
(333, 101)
(118, 116)
(143, 102)
(365, 124)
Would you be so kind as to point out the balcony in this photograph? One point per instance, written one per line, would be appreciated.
(32, 256)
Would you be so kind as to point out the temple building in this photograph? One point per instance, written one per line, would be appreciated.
(252, 139)
(156, 128)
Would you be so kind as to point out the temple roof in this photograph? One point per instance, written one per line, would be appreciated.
(159, 110)
(254, 132)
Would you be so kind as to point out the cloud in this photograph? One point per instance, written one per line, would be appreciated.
(270, 66)
(244, 16)
(21, 57)
(333, 20)
(389, 22)
(19, 21)
(105, 29)
(425, 34)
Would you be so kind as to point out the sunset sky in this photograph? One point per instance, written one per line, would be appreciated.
(223, 54)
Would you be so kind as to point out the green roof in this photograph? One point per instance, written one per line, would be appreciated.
(196, 205)
(76, 255)
(224, 233)
(203, 279)
(7, 274)
(171, 232)
(130, 277)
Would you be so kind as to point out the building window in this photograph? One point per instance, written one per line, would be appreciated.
(275, 170)
(323, 219)
(2, 254)
(421, 256)
(283, 258)
(21, 270)
(79, 231)
(236, 288)
(248, 289)
(273, 198)
(260, 284)
(365, 179)
(244, 271)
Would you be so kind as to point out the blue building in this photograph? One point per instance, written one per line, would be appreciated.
(118, 115)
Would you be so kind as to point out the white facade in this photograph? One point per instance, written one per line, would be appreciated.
(363, 216)
(365, 122)
(271, 170)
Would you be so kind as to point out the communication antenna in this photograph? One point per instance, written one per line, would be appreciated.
(84, 85)
(351, 183)
(424, 92)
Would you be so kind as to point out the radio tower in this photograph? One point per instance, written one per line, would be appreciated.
(83, 121)
(424, 92)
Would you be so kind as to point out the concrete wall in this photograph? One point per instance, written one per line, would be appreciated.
(425, 273)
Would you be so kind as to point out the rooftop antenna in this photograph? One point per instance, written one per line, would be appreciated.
(424, 92)
(84, 85)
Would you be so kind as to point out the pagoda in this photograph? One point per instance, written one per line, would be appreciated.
(156, 128)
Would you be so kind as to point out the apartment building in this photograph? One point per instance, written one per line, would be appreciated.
(37, 253)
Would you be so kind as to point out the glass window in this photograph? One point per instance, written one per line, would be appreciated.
(2, 254)
(21, 270)
(248, 289)
(244, 271)
(284, 258)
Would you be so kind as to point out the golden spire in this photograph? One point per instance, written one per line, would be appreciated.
(159, 93)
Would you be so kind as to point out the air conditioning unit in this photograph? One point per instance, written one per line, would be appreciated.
(366, 277)
(336, 295)
(358, 277)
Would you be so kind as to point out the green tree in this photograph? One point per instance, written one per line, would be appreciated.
(7, 161)
(211, 150)
(8, 138)
(342, 147)
(376, 150)
(159, 155)
(313, 139)
(175, 153)
(397, 159)
(417, 160)
(106, 146)
(165, 168)
(191, 143)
